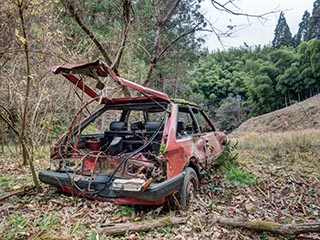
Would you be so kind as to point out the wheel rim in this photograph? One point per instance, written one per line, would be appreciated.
(191, 190)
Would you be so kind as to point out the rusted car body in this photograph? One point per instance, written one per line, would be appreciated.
(144, 149)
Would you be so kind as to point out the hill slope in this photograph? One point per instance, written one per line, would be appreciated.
(302, 115)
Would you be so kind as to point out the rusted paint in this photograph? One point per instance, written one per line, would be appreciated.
(102, 70)
(174, 152)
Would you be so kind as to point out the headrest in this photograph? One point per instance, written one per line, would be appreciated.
(180, 126)
(118, 126)
(137, 126)
(152, 126)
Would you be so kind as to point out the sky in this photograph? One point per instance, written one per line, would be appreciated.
(253, 31)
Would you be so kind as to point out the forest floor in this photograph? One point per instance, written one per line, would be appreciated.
(276, 178)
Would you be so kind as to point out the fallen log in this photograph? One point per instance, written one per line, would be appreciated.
(142, 226)
(288, 230)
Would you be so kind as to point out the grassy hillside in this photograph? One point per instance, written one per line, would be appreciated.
(301, 115)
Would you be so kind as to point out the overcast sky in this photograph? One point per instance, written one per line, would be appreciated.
(254, 32)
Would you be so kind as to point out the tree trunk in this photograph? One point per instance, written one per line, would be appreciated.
(161, 22)
(285, 99)
(24, 148)
(74, 13)
(126, 9)
(27, 93)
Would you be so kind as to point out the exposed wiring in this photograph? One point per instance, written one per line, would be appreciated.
(125, 159)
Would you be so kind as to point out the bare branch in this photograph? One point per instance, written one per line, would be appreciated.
(142, 47)
(69, 6)
(176, 40)
(160, 24)
(34, 51)
(169, 14)
(7, 121)
(220, 34)
(223, 7)
(126, 13)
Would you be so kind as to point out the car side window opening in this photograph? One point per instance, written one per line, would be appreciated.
(154, 116)
(186, 124)
(204, 124)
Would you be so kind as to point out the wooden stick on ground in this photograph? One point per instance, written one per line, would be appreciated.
(143, 226)
(17, 192)
(288, 230)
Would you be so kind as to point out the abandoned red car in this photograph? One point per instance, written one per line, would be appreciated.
(134, 150)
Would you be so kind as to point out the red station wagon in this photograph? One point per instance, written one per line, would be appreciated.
(134, 150)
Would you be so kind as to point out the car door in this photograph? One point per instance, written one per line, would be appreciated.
(189, 137)
(208, 134)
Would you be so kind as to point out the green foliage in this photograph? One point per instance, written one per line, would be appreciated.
(227, 155)
(232, 170)
(266, 79)
(44, 224)
(124, 211)
(16, 222)
(238, 176)
(282, 34)
(314, 27)
(304, 29)
(162, 148)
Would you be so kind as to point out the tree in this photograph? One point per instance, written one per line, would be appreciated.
(282, 34)
(22, 71)
(307, 76)
(304, 29)
(282, 59)
(172, 26)
(314, 27)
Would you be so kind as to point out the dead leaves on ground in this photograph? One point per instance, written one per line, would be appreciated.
(286, 194)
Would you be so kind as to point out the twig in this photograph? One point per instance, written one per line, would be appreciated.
(17, 192)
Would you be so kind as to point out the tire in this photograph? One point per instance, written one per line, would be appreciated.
(189, 188)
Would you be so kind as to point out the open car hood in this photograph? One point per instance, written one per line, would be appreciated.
(97, 69)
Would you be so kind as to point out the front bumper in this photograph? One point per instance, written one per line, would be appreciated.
(155, 192)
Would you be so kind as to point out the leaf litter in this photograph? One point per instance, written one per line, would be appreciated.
(287, 191)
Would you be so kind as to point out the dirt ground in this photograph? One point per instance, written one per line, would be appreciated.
(280, 182)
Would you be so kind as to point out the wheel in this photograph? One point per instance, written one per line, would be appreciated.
(189, 188)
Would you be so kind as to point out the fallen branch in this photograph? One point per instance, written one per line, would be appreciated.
(17, 192)
(143, 226)
(288, 230)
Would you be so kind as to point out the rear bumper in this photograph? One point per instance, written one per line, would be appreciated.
(155, 192)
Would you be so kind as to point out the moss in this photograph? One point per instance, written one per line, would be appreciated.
(184, 102)
(166, 221)
(264, 225)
